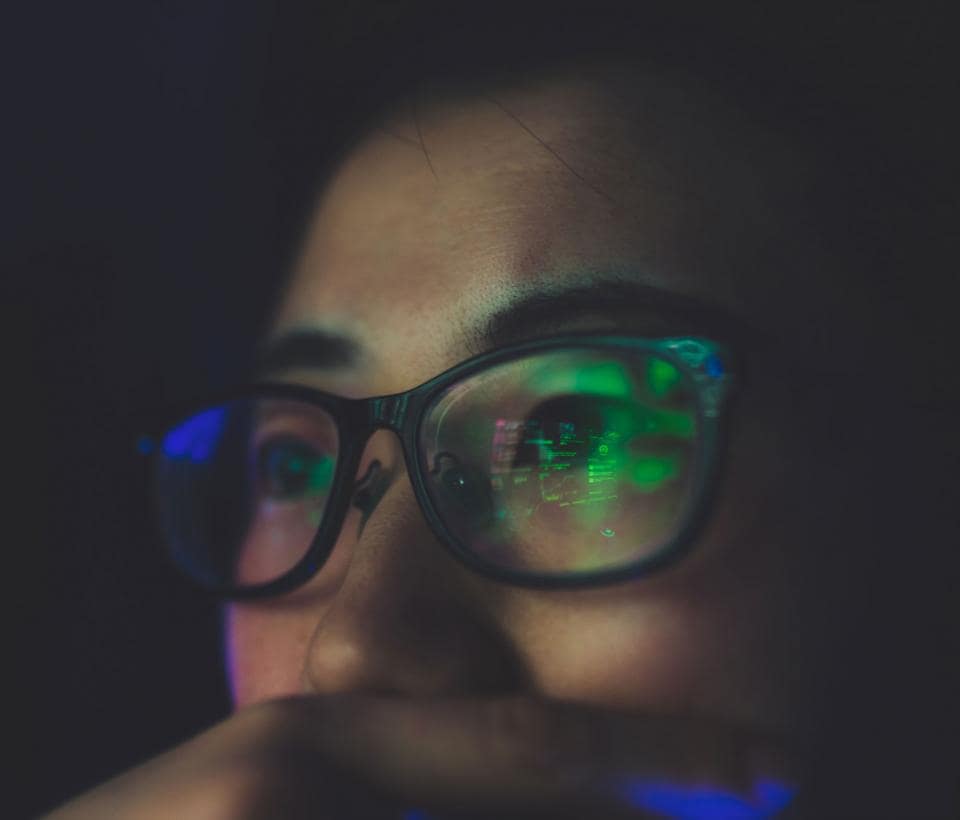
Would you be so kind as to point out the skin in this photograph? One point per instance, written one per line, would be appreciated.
(401, 257)
(406, 657)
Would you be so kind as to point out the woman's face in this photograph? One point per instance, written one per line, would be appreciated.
(431, 232)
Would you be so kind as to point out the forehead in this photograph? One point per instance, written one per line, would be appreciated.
(462, 199)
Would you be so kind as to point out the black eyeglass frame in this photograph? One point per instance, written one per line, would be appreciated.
(705, 361)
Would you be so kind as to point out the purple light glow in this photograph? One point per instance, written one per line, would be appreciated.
(708, 802)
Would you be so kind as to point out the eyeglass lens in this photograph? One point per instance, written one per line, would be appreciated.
(244, 486)
(564, 462)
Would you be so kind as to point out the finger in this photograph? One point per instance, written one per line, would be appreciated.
(467, 754)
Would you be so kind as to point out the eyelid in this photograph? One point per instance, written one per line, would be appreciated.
(621, 304)
(285, 422)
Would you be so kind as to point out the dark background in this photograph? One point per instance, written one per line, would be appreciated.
(153, 173)
(138, 246)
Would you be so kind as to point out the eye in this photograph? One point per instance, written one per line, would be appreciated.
(464, 485)
(290, 468)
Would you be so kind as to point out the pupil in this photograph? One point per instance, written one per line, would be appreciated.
(287, 468)
(466, 486)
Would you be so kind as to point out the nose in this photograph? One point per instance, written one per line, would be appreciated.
(407, 617)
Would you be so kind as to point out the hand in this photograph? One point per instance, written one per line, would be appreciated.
(352, 756)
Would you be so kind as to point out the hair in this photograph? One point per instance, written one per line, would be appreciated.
(840, 83)
(835, 80)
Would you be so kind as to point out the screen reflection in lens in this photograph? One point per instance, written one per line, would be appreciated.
(567, 461)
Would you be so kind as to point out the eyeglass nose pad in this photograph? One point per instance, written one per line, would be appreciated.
(369, 489)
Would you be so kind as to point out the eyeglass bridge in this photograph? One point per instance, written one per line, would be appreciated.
(389, 411)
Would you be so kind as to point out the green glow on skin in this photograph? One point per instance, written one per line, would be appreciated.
(661, 376)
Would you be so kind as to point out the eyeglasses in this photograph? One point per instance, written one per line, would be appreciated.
(563, 462)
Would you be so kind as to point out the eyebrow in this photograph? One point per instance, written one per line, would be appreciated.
(303, 347)
(613, 305)
(628, 305)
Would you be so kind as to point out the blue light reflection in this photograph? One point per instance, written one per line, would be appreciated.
(708, 802)
(713, 366)
(197, 437)
(670, 800)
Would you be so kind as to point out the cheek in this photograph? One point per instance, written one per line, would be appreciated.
(686, 643)
(266, 643)
(264, 652)
(633, 656)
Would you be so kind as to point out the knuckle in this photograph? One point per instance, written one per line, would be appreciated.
(265, 787)
(267, 715)
(265, 753)
(268, 771)
(240, 789)
(271, 727)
